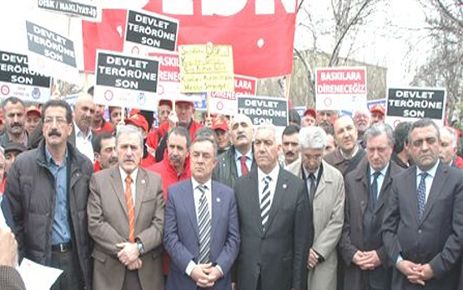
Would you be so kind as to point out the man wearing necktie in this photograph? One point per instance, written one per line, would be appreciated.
(201, 232)
(125, 219)
(367, 266)
(325, 187)
(239, 159)
(422, 228)
(275, 224)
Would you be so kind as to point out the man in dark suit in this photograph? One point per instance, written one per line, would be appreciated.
(367, 188)
(273, 209)
(201, 232)
(422, 229)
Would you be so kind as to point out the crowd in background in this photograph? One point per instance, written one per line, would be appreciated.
(124, 199)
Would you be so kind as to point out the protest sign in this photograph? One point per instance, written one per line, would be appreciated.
(225, 103)
(206, 68)
(126, 81)
(341, 88)
(412, 103)
(255, 46)
(51, 53)
(82, 9)
(146, 32)
(264, 110)
(245, 85)
(16, 80)
(169, 73)
(372, 103)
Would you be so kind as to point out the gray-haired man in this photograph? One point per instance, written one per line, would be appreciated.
(325, 187)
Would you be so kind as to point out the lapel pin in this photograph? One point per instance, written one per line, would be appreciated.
(284, 186)
(142, 181)
(218, 199)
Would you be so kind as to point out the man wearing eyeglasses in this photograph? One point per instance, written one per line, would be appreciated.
(367, 266)
(325, 189)
(47, 191)
(422, 228)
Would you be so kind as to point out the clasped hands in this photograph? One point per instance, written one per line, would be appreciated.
(129, 255)
(415, 273)
(205, 275)
(366, 260)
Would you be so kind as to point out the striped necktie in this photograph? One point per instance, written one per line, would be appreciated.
(421, 194)
(204, 226)
(265, 201)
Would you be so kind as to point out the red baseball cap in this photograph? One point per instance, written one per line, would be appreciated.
(377, 109)
(33, 110)
(310, 112)
(220, 125)
(138, 121)
(166, 103)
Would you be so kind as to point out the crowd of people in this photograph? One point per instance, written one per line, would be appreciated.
(335, 202)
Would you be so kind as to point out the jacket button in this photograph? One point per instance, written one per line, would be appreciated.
(419, 231)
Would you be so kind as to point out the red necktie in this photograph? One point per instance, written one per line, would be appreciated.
(244, 167)
(130, 208)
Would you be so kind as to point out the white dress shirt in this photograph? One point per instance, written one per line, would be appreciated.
(84, 143)
(272, 185)
(380, 179)
(133, 186)
(429, 178)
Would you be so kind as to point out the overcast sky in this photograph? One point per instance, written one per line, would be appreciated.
(385, 40)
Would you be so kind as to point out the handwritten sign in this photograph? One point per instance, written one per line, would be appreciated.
(206, 68)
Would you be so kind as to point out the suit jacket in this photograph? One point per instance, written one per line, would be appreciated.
(436, 238)
(278, 254)
(353, 233)
(181, 235)
(10, 279)
(108, 225)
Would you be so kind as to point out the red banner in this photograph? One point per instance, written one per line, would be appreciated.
(261, 32)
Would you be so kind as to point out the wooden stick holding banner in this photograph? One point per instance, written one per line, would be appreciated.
(288, 86)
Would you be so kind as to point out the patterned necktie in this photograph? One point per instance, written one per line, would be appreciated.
(130, 208)
(265, 201)
(374, 188)
(313, 186)
(204, 226)
(421, 194)
(244, 167)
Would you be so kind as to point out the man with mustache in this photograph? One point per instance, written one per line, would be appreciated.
(47, 191)
(174, 167)
(422, 229)
(14, 112)
(239, 159)
(290, 147)
(104, 146)
(362, 122)
(126, 220)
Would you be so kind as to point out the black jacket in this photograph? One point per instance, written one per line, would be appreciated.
(30, 192)
(225, 171)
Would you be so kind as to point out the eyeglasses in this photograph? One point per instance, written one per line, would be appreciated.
(58, 120)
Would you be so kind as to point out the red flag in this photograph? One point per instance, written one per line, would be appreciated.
(262, 43)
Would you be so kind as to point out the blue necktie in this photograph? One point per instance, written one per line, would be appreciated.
(421, 194)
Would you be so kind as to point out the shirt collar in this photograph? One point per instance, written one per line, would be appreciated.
(80, 133)
(248, 155)
(307, 173)
(195, 183)
(50, 159)
(273, 174)
(383, 171)
(431, 172)
(124, 174)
